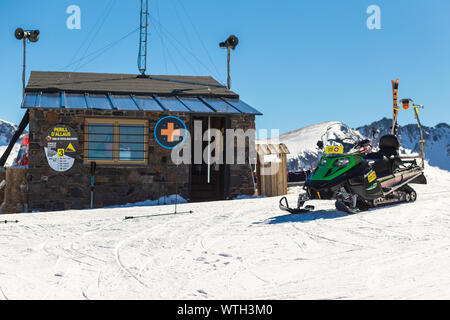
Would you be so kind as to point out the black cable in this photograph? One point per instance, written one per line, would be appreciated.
(96, 33)
(99, 50)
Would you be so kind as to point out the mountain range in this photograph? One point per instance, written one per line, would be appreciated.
(304, 153)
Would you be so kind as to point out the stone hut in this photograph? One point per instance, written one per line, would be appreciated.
(128, 125)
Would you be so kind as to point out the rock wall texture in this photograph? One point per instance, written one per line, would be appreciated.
(50, 190)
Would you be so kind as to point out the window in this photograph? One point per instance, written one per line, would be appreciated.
(116, 141)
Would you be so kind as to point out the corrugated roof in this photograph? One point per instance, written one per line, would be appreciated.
(162, 85)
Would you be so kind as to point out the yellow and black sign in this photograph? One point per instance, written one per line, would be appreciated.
(334, 149)
(70, 148)
(372, 176)
(60, 146)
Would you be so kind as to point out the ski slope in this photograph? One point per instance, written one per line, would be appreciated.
(240, 249)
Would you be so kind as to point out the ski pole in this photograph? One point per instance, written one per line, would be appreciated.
(176, 194)
(10, 221)
(93, 165)
(157, 215)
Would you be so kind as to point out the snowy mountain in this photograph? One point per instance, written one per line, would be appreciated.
(437, 148)
(302, 143)
(7, 130)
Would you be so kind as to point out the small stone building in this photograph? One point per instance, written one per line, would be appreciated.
(79, 118)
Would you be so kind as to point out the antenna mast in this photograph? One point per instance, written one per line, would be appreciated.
(142, 56)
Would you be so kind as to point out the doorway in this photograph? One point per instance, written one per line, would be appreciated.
(208, 180)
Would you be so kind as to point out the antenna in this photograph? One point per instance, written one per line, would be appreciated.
(142, 56)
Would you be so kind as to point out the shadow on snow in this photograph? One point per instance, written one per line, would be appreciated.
(304, 217)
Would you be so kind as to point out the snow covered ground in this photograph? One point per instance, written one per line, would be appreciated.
(240, 249)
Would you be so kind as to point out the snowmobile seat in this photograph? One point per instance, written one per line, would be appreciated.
(389, 145)
(386, 160)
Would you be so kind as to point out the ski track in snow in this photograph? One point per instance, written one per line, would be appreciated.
(240, 249)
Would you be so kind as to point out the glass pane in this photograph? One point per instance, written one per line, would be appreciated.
(98, 101)
(131, 142)
(147, 103)
(75, 101)
(123, 103)
(30, 100)
(243, 107)
(221, 106)
(101, 141)
(196, 105)
(172, 104)
(50, 100)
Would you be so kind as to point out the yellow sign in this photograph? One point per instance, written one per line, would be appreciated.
(60, 153)
(60, 132)
(334, 149)
(372, 176)
(70, 148)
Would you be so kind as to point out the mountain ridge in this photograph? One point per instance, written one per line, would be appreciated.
(305, 153)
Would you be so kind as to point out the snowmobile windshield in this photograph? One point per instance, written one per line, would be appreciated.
(341, 146)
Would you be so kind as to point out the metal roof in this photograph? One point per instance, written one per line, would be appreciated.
(193, 104)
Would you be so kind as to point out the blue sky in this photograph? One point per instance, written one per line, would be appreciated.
(299, 62)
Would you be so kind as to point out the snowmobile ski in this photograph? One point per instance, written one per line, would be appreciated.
(284, 205)
(341, 206)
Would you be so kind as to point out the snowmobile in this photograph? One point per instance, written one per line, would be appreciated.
(359, 179)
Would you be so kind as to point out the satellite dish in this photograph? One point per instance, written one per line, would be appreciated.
(19, 33)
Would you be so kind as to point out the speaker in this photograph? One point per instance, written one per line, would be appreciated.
(231, 42)
(34, 36)
(19, 33)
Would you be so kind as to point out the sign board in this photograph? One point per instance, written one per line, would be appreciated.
(61, 146)
(334, 149)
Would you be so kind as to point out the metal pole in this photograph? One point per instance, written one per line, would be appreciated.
(176, 193)
(24, 65)
(209, 149)
(93, 165)
(229, 78)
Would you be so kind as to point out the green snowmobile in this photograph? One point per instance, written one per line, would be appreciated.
(360, 180)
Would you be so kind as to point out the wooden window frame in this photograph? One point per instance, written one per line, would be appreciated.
(116, 126)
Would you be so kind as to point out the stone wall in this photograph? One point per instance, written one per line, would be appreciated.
(241, 181)
(15, 192)
(114, 184)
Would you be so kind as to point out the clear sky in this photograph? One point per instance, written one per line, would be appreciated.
(299, 62)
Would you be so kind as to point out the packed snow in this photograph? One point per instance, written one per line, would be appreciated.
(239, 249)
